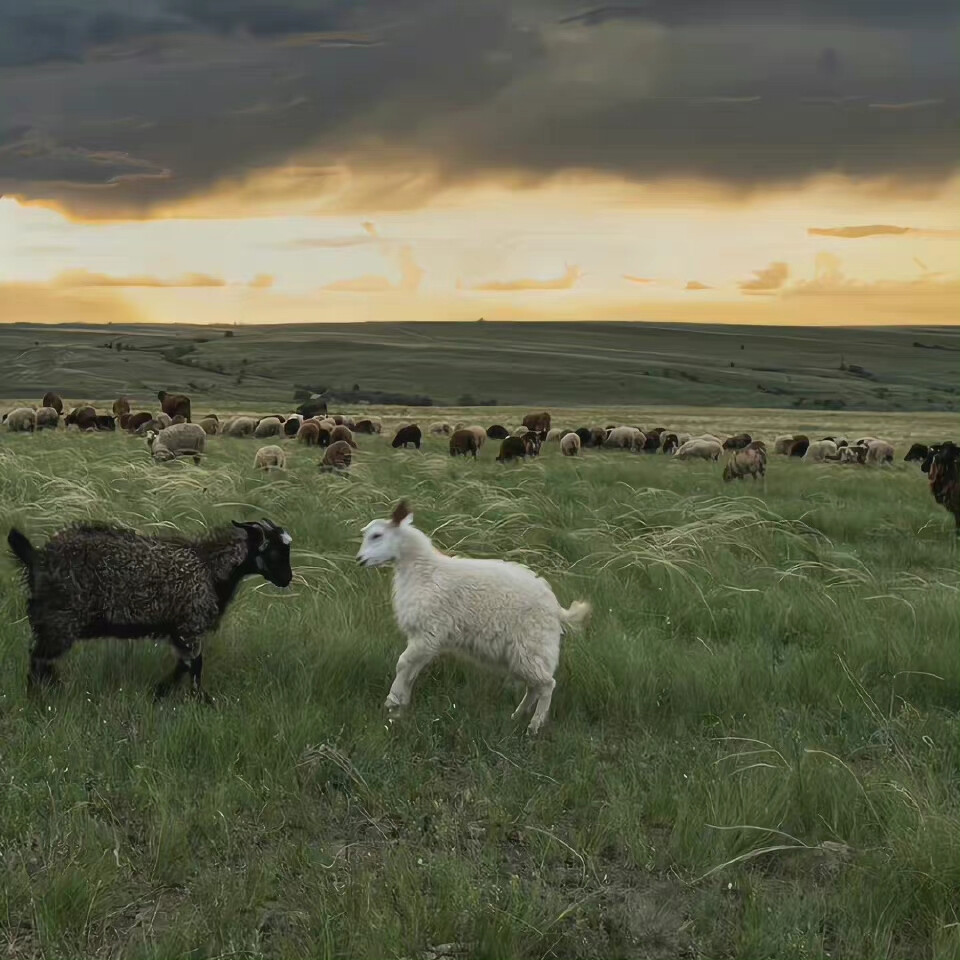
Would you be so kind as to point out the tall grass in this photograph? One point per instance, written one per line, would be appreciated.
(752, 749)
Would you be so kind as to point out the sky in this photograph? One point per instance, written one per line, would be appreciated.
(263, 161)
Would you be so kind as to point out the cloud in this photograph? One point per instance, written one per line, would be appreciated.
(768, 280)
(411, 275)
(370, 228)
(153, 102)
(879, 230)
(40, 303)
(830, 281)
(262, 281)
(84, 278)
(696, 285)
(638, 280)
(368, 283)
(566, 281)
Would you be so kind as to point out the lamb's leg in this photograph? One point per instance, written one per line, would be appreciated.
(196, 671)
(411, 662)
(544, 694)
(47, 649)
(526, 704)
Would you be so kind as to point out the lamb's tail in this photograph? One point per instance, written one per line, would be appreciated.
(576, 615)
(22, 548)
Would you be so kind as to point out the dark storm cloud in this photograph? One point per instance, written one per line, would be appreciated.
(117, 105)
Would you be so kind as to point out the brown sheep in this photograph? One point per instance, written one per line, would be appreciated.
(84, 417)
(570, 445)
(513, 448)
(749, 461)
(309, 433)
(136, 420)
(798, 448)
(464, 442)
(365, 426)
(338, 458)
(737, 442)
(344, 433)
(210, 426)
(121, 406)
(174, 404)
(537, 422)
(51, 399)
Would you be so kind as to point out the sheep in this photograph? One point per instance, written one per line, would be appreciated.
(136, 420)
(343, 432)
(83, 417)
(311, 408)
(534, 440)
(537, 422)
(737, 442)
(670, 443)
(210, 426)
(179, 440)
(47, 418)
(652, 442)
(554, 434)
(798, 447)
(51, 399)
(405, 435)
(479, 433)
(291, 426)
(866, 441)
(513, 448)
(853, 454)
(440, 428)
(121, 406)
(268, 427)
(497, 432)
(497, 612)
(699, 450)
(106, 422)
(22, 420)
(712, 438)
(625, 438)
(570, 445)
(269, 458)
(173, 404)
(748, 461)
(365, 426)
(337, 458)
(821, 450)
(464, 442)
(917, 451)
(239, 427)
(93, 580)
(327, 423)
(942, 466)
(880, 452)
(782, 443)
(309, 433)
(164, 419)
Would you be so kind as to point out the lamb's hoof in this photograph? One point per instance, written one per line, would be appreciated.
(393, 708)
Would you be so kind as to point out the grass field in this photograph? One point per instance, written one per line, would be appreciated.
(554, 364)
(752, 749)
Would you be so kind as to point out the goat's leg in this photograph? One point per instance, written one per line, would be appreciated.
(544, 694)
(411, 662)
(526, 704)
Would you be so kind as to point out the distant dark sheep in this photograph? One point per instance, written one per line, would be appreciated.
(365, 426)
(312, 408)
(651, 443)
(515, 448)
(174, 404)
(343, 432)
(51, 399)
(669, 443)
(291, 427)
(537, 422)
(407, 435)
(95, 580)
(942, 466)
(121, 406)
(463, 442)
(84, 417)
(918, 452)
(137, 420)
(497, 432)
(738, 442)
(309, 433)
(106, 422)
(799, 446)
(325, 437)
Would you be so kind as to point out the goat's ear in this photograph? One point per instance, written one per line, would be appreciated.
(401, 514)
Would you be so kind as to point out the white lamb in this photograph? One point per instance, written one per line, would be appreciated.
(491, 611)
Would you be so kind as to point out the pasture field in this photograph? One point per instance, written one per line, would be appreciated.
(752, 749)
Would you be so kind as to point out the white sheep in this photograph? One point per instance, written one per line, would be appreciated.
(177, 440)
(627, 438)
(239, 427)
(699, 450)
(555, 433)
(164, 420)
(570, 445)
(491, 611)
(440, 428)
(480, 433)
(821, 450)
(268, 427)
(782, 443)
(269, 458)
(47, 418)
(22, 420)
(879, 452)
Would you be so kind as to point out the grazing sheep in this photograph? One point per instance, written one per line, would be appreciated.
(942, 466)
(22, 420)
(706, 436)
(268, 427)
(853, 454)
(799, 446)
(570, 445)
(164, 419)
(625, 438)
(750, 461)
(406, 435)
(918, 452)
(880, 452)
(209, 426)
(479, 433)
(83, 417)
(496, 612)
(239, 427)
(554, 434)
(94, 580)
(47, 419)
(537, 422)
(51, 399)
(464, 442)
(179, 418)
(270, 458)
(670, 443)
(652, 441)
(365, 426)
(328, 424)
(337, 420)
(121, 406)
(309, 433)
(866, 441)
(137, 420)
(337, 458)
(821, 450)
(497, 432)
(515, 448)
(291, 426)
(174, 404)
(312, 408)
(178, 440)
(440, 428)
(782, 443)
(737, 442)
(699, 450)
(343, 432)
(106, 422)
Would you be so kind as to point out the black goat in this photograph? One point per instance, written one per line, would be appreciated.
(94, 580)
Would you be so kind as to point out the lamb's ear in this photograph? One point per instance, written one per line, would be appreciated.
(401, 514)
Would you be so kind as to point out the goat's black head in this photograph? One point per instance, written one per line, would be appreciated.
(269, 550)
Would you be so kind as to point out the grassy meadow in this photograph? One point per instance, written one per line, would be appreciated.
(752, 749)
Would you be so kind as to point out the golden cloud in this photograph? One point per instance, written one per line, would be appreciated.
(565, 282)
(262, 281)
(768, 280)
(85, 278)
(639, 280)
(879, 230)
(696, 285)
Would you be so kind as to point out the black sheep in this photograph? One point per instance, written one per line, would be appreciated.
(738, 442)
(312, 408)
(514, 448)
(106, 422)
(497, 432)
(407, 435)
(918, 452)
(291, 427)
(942, 465)
(94, 580)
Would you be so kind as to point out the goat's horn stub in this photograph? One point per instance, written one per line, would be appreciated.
(400, 511)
